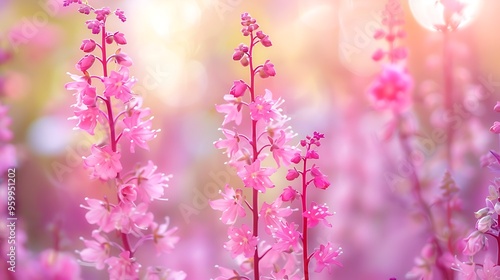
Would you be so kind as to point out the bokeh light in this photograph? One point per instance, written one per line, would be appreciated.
(439, 15)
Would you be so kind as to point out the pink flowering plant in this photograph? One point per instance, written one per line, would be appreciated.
(123, 223)
(480, 263)
(391, 91)
(269, 248)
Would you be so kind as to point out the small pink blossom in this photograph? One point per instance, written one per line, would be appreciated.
(256, 177)
(128, 218)
(57, 265)
(94, 25)
(264, 39)
(88, 45)
(102, 14)
(99, 213)
(97, 251)
(85, 63)
(484, 224)
(474, 243)
(320, 180)
(164, 239)
(119, 84)
(273, 214)
(241, 241)
(495, 128)
(489, 271)
(289, 194)
(286, 237)
(232, 109)
(392, 88)
(231, 143)
(317, 213)
(292, 174)
(123, 267)
(238, 89)
(123, 59)
(87, 119)
(85, 93)
(468, 270)
(84, 10)
(121, 15)
(139, 131)
(105, 163)
(239, 52)
(151, 183)
(120, 38)
(127, 193)
(264, 107)
(296, 158)
(282, 153)
(231, 205)
(267, 70)
(326, 256)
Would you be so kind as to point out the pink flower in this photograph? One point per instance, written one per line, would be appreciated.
(102, 14)
(256, 177)
(123, 59)
(495, 128)
(164, 240)
(264, 107)
(94, 25)
(378, 55)
(99, 213)
(151, 184)
(139, 132)
(119, 38)
(119, 84)
(320, 180)
(231, 205)
(484, 224)
(85, 62)
(282, 152)
(127, 193)
(292, 174)
(85, 93)
(123, 267)
(231, 143)
(289, 194)
(88, 45)
(87, 119)
(121, 15)
(238, 89)
(286, 237)
(475, 242)
(249, 24)
(241, 241)
(489, 271)
(316, 214)
(105, 163)
(232, 109)
(392, 88)
(468, 270)
(273, 214)
(264, 39)
(296, 158)
(239, 52)
(130, 219)
(326, 256)
(84, 10)
(97, 251)
(57, 265)
(267, 70)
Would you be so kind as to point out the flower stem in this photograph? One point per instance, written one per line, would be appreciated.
(255, 193)
(304, 221)
(498, 249)
(111, 122)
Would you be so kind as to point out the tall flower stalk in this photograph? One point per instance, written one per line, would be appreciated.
(118, 109)
(270, 253)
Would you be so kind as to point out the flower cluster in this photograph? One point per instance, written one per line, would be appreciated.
(269, 135)
(487, 226)
(392, 87)
(120, 110)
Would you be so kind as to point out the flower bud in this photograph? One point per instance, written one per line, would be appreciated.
(238, 89)
(484, 224)
(85, 63)
(497, 107)
(120, 38)
(292, 174)
(481, 212)
(289, 194)
(495, 128)
(88, 45)
(296, 158)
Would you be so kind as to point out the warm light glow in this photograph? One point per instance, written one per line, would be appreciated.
(440, 15)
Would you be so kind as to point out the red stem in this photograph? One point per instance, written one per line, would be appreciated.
(111, 122)
(255, 193)
(304, 220)
(498, 250)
